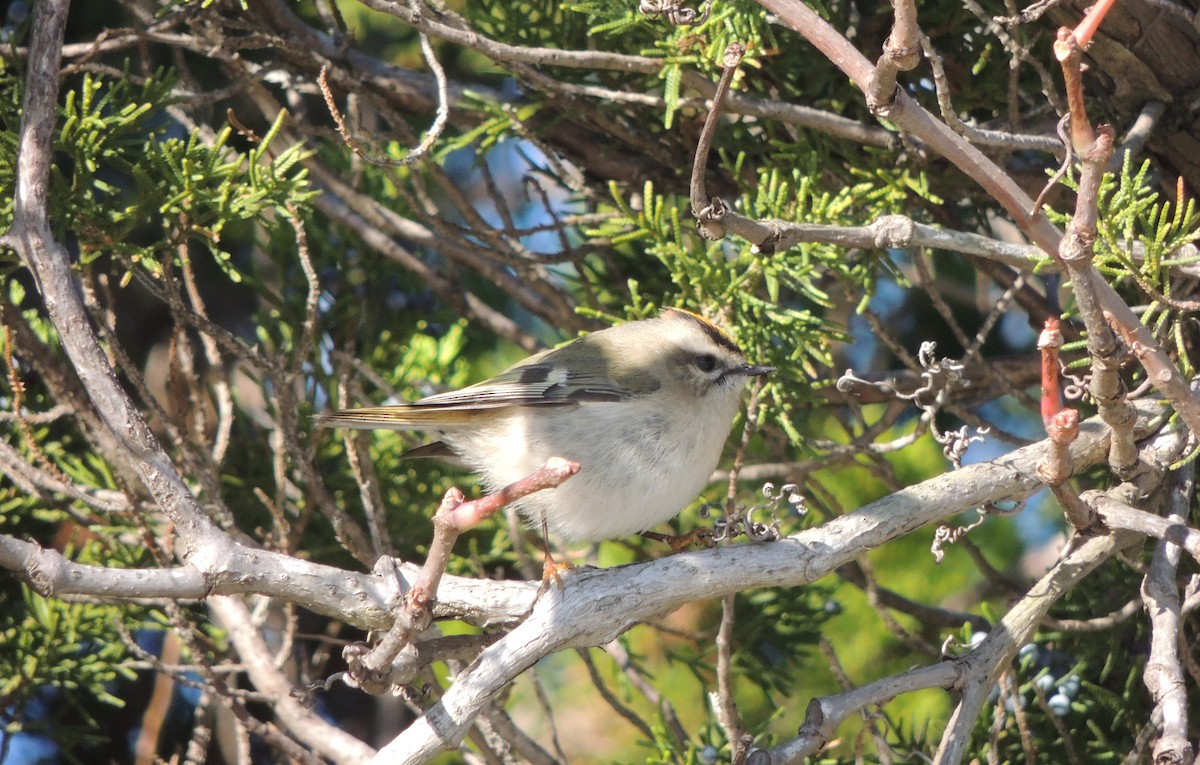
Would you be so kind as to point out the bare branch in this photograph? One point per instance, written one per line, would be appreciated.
(305, 724)
(987, 661)
(724, 706)
(1163, 673)
(901, 53)
(909, 116)
(582, 613)
(49, 262)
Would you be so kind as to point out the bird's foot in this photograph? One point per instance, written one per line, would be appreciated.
(552, 571)
(698, 537)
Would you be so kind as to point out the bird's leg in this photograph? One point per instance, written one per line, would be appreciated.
(551, 568)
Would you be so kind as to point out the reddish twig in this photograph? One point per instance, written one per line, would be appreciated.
(1063, 429)
(1062, 426)
(1091, 22)
(1077, 248)
(1069, 55)
(1049, 342)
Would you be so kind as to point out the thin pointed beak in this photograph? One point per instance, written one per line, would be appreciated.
(753, 370)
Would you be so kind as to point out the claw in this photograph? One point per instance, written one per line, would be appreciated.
(551, 571)
(700, 537)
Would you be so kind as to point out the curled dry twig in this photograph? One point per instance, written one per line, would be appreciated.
(421, 150)
(676, 12)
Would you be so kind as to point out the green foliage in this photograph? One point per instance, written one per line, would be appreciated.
(120, 173)
(775, 305)
(1138, 234)
(500, 122)
(140, 198)
(58, 645)
(1133, 213)
(122, 188)
(776, 632)
(538, 23)
(67, 649)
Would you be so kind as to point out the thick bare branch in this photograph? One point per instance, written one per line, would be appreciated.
(987, 661)
(48, 261)
(303, 722)
(584, 612)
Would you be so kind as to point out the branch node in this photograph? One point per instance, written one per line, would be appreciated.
(710, 219)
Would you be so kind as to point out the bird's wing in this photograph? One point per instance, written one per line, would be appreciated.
(437, 450)
(535, 384)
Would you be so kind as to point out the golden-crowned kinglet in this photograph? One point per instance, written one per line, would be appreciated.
(644, 408)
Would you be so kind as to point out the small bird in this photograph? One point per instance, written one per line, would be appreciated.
(644, 408)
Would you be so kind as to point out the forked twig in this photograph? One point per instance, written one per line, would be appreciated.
(370, 669)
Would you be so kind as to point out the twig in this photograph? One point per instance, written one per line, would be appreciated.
(707, 210)
(901, 232)
(212, 352)
(1028, 748)
(901, 53)
(1019, 52)
(930, 616)
(723, 702)
(1028, 15)
(1099, 623)
(976, 135)
(1138, 134)
(371, 669)
(419, 152)
(1077, 248)
(913, 641)
(985, 663)
(367, 481)
(1163, 673)
(305, 724)
(1067, 51)
(52, 485)
(520, 741)
(446, 288)
(1068, 161)
(1146, 734)
(1077, 251)
(824, 714)
(1062, 426)
(630, 716)
(548, 712)
(1116, 514)
(637, 678)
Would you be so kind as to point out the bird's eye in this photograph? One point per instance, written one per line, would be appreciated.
(705, 362)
